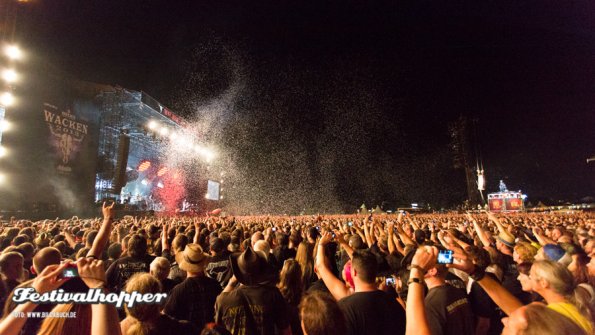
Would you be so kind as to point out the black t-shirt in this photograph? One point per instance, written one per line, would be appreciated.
(510, 279)
(372, 313)
(448, 311)
(166, 325)
(483, 306)
(122, 269)
(219, 269)
(193, 300)
(168, 285)
(267, 306)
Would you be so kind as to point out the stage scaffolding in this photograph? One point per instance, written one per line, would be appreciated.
(127, 112)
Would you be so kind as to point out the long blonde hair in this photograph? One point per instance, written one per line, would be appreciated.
(143, 316)
(305, 257)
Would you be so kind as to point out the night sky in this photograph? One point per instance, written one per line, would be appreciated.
(320, 106)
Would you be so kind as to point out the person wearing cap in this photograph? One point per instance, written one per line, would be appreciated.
(193, 299)
(219, 267)
(554, 252)
(256, 306)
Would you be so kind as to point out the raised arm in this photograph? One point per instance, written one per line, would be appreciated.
(391, 233)
(104, 317)
(335, 286)
(507, 302)
(541, 238)
(104, 232)
(417, 322)
(196, 232)
(49, 279)
(343, 243)
(479, 230)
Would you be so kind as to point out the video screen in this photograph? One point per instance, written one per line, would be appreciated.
(212, 190)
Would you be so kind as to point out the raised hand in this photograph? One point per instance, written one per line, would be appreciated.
(425, 257)
(326, 238)
(92, 272)
(50, 278)
(108, 210)
(464, 262)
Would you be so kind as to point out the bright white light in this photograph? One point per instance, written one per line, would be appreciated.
(6, 99)
(160, 184)
(13, 52)
(163, 131)
(185, 142)
(9, 75)
(221, 198)
(2, 151)
(480, 180)
(2, 178)
(209, 155)
(145, 182)
(173, 136)
(206, 196)
(152, 125)
(5, 126)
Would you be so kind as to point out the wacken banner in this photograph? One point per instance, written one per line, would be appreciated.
(67, 135)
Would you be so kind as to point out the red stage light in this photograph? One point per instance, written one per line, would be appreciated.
(162, 171)
(144, 166)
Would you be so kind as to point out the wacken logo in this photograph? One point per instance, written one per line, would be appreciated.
(66, 130)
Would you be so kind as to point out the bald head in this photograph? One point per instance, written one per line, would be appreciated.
(46, 256)
(255, 238)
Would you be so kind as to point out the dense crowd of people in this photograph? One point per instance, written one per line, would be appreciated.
(459, 273)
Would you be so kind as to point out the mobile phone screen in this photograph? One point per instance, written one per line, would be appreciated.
(445, 257)
(70, 272)
(390, 281)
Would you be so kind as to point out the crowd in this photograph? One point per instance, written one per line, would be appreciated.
(477, 273)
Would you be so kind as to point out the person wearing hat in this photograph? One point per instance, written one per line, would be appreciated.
(193, 299)
(504, 249)
(256, 306)
(554, 252)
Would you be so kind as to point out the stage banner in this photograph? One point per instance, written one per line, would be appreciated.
(496, 205)
(67, 134)
(514, 204)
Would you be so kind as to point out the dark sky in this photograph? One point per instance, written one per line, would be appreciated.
(325, 105)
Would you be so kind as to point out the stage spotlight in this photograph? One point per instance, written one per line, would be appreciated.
(163, 131)
(160, 184)
(144, 166)
(9, 75)
(162, 171)
(145, 182)
(185, 142)
(152, 125)
(6, 99)
(13, 52)
(5, 126)
(173, 136)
